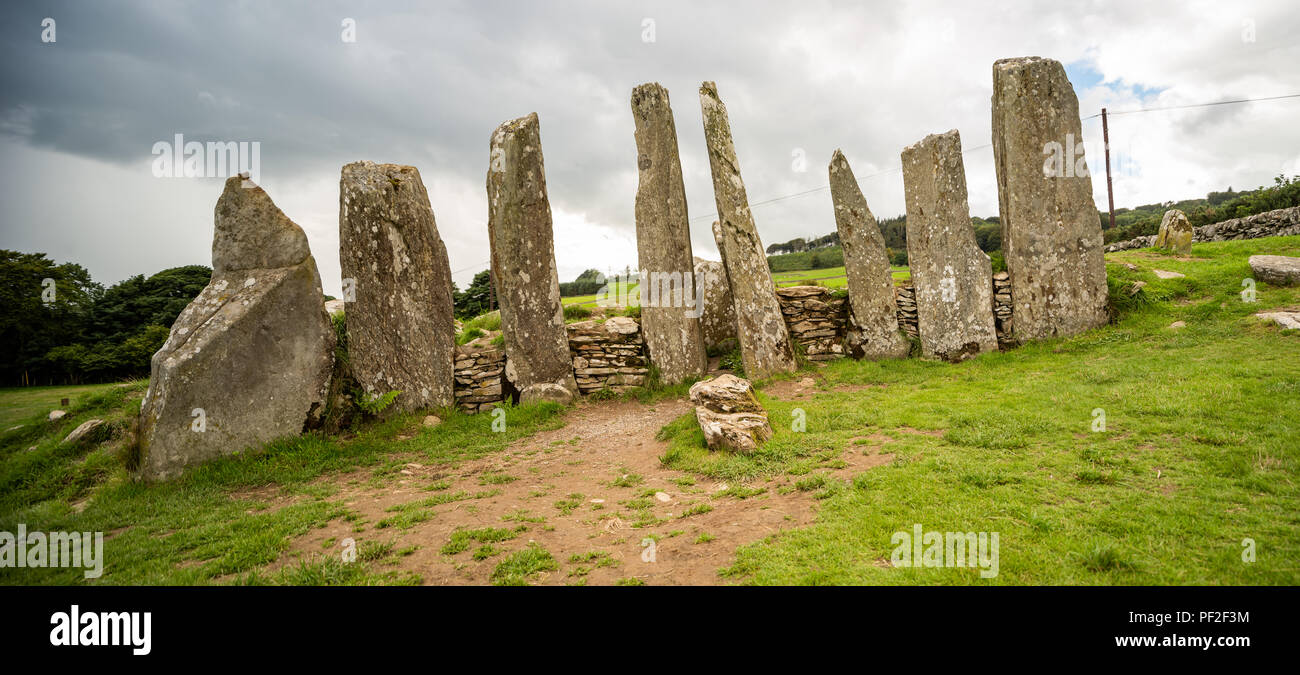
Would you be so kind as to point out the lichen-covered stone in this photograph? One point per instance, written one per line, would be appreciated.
(1278, 270)
(671, 322)
(952, 277)
(1051, 236)
(249, 360)
(765, 345)
(718, 322)
(523, 262)
(399, 322)
(1175, 232)
(872, 331)
(729, 414)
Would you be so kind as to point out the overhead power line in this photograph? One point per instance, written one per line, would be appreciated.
(1194, 105)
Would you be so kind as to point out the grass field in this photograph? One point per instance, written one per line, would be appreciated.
(1197, 454)
(20, 403)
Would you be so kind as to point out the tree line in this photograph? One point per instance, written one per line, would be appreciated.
(59, 326)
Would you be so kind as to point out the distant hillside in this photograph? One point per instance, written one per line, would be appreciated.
(825, 251)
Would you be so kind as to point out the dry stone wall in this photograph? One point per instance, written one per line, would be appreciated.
(608, 354)
(817, 320)
(479, 378)
(1277, 223)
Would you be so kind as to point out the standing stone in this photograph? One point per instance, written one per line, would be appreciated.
(718, 323)
(523, 265)
(952, 277)
(670, 321)
(1175, 233)
(1051, 235)
(249, 360)
(872, 331)
(765, 346)
(400, 317)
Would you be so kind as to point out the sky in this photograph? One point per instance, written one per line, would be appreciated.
(425, 84)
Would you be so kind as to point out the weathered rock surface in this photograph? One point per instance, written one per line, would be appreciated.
(1275, 223)
(56, 415)
(951, 276)
(670, 321)
(1051, 236)
(400, 322)
(1175, 233)
(816, 319)
(872, 331)
(523, 263)
(718, 322)
(765, 344)
(1166, 274)
(83, 431)
(249, 360)
(1278, 270)
(480, 373)
(729, 414)
(1287, 320)
(608, 354)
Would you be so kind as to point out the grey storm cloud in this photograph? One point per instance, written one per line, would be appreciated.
(426, 83)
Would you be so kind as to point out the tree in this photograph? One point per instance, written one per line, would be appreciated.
(476, 298)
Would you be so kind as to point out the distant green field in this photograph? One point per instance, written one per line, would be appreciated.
(19, 403)
(830, 277)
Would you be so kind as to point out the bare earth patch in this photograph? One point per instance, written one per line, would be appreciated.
(592, 493)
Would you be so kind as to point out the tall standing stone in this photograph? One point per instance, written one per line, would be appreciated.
(249, 360)
(523, 265)
(765, 346)
(670, 324)
(1051, 235)
(398, 286)
(952, 277)
(872, 330)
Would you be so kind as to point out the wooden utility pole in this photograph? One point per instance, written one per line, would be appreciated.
(1110, 191)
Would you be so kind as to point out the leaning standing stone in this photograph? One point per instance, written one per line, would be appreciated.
(670, 321)
(523, 265)
(1175, 233)
(952, 277)
(249, 360)
(1051, 235)
(765, 346)
(400, 318)
(872, 330)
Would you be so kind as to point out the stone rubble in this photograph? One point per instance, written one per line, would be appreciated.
(817, 320)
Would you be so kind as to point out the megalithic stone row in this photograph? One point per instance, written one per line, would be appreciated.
(1051, 236)
(527, 285)
(399, 312)
(872, 331)
(670, 322)
(765, 345)
(952, 277)
(249, 360)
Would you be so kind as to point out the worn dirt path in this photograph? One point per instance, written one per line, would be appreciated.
(570, 496)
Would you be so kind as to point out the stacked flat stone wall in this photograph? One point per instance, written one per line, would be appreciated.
(1277, 223)
(478, 378)
(816, 320)
(608, 354)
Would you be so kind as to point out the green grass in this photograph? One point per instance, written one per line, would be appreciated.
(207, 527)
(18, 404)
(1198, 453)
(830, 277)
